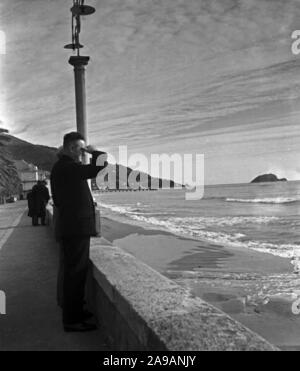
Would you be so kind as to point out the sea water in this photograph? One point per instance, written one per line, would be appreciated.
(264, 217)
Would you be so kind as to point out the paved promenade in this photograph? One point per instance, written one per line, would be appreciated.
(28, 269)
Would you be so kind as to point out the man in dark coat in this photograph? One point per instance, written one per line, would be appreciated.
(37, 202)
(76, 223)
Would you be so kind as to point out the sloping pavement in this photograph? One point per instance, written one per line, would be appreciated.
(28, 271)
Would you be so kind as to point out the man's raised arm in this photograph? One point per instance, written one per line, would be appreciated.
(80, 171)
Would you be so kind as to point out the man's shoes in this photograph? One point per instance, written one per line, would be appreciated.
(80, 327)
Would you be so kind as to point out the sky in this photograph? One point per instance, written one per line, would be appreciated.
(211, 77)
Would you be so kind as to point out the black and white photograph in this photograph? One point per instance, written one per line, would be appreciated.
(149, 178)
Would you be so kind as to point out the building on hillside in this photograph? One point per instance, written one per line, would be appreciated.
(29, 174)
(43, 174)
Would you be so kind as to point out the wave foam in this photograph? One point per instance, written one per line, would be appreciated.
(204, 228)
(205, 222)
(275, 200)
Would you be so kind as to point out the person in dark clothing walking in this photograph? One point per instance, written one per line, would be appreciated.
(37, 202)
(76, 223)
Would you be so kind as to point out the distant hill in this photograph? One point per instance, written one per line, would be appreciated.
(144, 180)
(41, 156)
(268, 178)
(12, 148)
(9, 180)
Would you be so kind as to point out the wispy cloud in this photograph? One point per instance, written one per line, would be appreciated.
(161, 72)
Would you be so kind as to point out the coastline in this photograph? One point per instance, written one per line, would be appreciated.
(220, 275)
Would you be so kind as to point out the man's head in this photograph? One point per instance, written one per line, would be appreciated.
(74, 145)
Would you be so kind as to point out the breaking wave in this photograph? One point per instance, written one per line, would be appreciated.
(211, 229)
(275, 200)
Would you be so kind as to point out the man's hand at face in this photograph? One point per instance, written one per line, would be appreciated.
(102, 156)
(89, 149)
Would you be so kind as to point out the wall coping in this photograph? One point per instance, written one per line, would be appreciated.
(149, 300)
(156, 307)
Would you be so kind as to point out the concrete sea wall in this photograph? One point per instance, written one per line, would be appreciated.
(143, 310)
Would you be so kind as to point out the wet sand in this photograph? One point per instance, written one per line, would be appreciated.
(223, 276)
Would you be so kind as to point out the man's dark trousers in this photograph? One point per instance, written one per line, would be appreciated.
(75, 224)
(75, 265)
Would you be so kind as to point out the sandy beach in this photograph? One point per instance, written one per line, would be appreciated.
(224, 276)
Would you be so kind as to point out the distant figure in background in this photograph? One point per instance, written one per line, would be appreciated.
(37, 202)
(75, 225)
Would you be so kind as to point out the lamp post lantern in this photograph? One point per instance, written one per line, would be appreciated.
(79, 63)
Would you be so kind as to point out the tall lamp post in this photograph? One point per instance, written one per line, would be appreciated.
(79, 63)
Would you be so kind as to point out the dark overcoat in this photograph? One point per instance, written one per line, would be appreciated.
(72, 196)
(37, 201)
